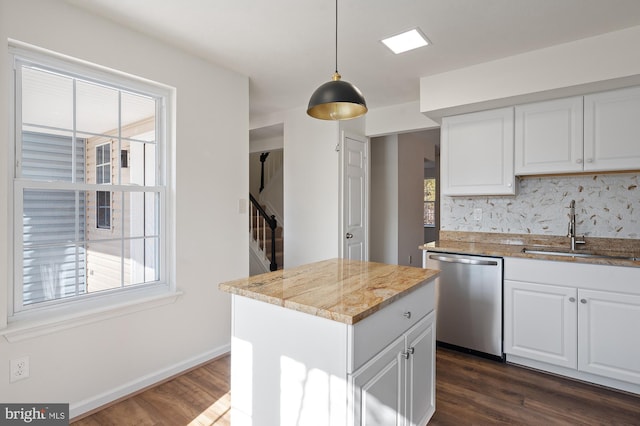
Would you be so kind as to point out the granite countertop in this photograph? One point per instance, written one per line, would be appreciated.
(338, 289)
(512, 245)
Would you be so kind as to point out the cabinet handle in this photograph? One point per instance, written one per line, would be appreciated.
(589, 160)
(583, 301)
(407, 314)
(406, 354)
(579, 160)
(572, 299)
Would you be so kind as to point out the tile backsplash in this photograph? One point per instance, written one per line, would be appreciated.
(607, 206)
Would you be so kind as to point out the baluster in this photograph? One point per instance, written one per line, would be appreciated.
(264, 235)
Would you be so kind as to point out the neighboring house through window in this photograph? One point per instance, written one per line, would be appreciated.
(86, 225)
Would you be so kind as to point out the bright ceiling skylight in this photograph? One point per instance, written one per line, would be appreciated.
(406, 41)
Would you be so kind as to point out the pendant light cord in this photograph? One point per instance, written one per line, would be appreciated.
(336, 36)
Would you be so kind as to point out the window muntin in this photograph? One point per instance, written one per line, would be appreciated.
(59, 256)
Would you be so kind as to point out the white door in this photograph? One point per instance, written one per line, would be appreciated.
(608, 342)
(355, 189)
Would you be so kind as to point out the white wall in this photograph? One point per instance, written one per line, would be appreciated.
(410, 198)
(310, 188)
(397, 193)
(399, 118)
(383, 245)
(592, 64)
(92, 363)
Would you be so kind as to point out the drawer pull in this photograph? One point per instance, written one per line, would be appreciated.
(412, 350)
(572, 299)
(407, 314)
(583, 301)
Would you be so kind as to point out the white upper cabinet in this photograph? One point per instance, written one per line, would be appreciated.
(548, 137)
(476, 153)
(612, 130)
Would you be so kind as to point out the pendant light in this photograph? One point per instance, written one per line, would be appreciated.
(337, 99)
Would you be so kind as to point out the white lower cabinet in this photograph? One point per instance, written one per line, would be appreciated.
(608, 335)
(586, 329)
(396, 386)
(541, 322)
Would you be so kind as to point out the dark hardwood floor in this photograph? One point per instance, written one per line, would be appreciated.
(469, 391)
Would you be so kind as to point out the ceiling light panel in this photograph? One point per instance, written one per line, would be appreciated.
(406, 41)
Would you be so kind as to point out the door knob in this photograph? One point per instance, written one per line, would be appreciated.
(349, 235)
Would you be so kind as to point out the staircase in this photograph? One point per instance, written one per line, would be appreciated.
(266, 248)
(265, 237)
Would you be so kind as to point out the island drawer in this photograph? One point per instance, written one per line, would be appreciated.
(376, 331)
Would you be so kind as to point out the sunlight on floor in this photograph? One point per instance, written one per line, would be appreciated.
(216, 414)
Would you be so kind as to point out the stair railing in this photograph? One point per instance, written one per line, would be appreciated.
(262, 219)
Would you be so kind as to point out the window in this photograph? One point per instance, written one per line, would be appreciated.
(103, 209)
(103, 175)
(430, 202)
(85, 224)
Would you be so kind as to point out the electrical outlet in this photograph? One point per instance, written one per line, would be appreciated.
(19, 369)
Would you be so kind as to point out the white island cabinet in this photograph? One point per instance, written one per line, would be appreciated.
(336, 342)
(573, 319)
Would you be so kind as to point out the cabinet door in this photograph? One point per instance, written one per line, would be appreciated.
(608, 342)
(611, 129)
(548, 137)
(378, 388)
(476, 153)
(540, 322)
(421, 395)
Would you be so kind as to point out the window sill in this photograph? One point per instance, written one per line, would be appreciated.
(28, 328)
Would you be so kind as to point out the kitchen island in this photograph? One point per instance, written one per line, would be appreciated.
(336, 342)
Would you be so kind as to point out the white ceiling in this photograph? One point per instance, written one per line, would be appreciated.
(287, 47)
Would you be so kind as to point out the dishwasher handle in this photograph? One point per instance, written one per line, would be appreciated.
(465, 260)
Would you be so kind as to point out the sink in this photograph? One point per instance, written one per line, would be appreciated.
(575, 253)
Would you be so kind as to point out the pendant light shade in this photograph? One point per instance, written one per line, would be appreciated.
(337, 99)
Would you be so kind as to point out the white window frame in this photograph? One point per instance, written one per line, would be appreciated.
(24, 323)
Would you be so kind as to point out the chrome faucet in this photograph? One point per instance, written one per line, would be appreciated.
(572, 227)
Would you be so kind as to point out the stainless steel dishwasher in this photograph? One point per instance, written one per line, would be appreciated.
(469, 302)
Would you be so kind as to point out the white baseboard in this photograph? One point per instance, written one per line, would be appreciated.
(78, 408)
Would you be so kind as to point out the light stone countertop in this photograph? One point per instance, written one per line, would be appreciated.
(511, 245)
(338, 289)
